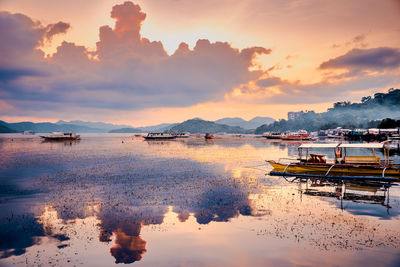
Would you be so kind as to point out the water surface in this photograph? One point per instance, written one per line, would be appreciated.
(115, 199)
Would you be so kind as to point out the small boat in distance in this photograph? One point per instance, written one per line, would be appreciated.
(28, 132)
(297, 136)
(159, 136)
(272, 135)
(209, 136)
(60, 136)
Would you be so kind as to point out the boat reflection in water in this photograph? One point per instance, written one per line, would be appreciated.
(367, 196)
(61, 142)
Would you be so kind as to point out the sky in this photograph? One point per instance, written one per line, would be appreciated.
(153, 61)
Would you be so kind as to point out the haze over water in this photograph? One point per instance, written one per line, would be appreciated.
(114, 199)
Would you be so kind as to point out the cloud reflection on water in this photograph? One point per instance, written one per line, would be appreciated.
(135, 185)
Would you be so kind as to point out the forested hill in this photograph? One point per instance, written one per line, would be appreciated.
(202, 126)
(364, 114)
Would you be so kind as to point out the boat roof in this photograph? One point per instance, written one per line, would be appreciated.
(323, 145)
(334, 145)
(367, 145)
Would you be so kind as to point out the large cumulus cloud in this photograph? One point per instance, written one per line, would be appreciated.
(126, 71)
(20, 36)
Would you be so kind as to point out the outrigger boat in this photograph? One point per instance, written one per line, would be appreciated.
(342, 165)
(60, 136)
(159, 136)
(272, 135)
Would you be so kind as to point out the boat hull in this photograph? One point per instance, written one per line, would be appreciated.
(273, 137)
(296, 138)
(340, 169)
(60, 138)
(159, 138)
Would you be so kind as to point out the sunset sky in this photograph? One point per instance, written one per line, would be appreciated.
(153, 61)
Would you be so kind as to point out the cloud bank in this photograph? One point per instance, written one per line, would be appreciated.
(362, 70)
(126, 71)
(380, 58)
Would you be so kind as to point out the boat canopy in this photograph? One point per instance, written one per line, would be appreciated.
(367, 145)
(324, 145)
(339, 145)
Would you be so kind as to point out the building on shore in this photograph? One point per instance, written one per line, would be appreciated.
(293, 115)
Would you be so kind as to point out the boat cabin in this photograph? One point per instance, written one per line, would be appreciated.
(159, 136)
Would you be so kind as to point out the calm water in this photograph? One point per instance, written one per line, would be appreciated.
(110, 200)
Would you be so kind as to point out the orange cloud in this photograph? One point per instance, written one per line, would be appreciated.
(125, 72)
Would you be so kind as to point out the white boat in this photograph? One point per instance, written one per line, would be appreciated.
(159, 136)
(61, 136)
(272, 135)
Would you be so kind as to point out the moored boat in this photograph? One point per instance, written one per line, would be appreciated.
(298, 136)
(342, 164)
(159, 136)
(61, 136)
(272, 135)
(209, 136)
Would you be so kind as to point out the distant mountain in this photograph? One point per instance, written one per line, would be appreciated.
(5, 129)
(251, 124)
(46, 127)
(79, 127)
(127, 130)
(196, 125)
(231, 121)
(263, 120)
(202, 126)
(158, 128)
(119, 128)
(96, 125)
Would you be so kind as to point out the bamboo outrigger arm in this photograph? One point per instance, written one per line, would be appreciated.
(284, 171)
(370, 178)
(326, 174)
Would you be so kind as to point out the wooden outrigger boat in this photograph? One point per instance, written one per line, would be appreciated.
(343, 165)
(159, 136)
(272, 135)
(60, 136)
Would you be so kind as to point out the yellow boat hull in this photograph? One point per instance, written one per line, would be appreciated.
(336, 170)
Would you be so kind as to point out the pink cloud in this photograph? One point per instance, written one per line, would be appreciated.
(380, 58)
(128, 19)
(54, 29)
(126, 71)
